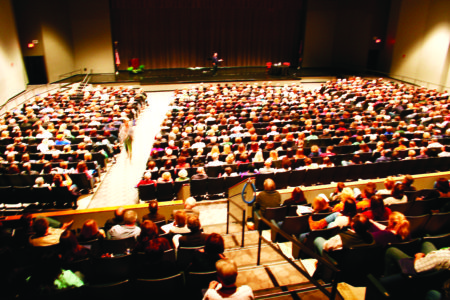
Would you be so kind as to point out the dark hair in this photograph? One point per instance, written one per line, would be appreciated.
(442, 185)
(149, 231)
(40, 226)
(214, 244)
(153, 206)
(349, 208)
(398, 191)
(298, 196)
(360, 224)
(377, 207)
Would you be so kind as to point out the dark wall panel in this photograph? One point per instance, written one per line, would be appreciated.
(185, 33)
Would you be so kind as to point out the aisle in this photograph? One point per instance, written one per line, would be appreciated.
(118, 186)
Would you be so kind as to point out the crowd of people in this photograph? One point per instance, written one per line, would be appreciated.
(249, 129)
(71, 131)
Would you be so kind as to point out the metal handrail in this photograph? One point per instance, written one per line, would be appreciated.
(330, 295)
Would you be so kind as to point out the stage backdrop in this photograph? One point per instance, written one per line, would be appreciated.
(185, 33)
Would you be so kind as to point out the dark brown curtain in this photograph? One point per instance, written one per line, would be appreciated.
(185, 33)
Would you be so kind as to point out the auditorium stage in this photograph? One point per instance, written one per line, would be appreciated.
(204, 74)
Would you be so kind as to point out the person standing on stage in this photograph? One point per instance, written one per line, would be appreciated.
(215, 62)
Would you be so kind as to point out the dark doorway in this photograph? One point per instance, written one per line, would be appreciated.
(35, 65)
(372, 59)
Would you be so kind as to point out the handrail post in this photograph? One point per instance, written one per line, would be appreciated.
(228, 215)
(243, 227)
(258, 262)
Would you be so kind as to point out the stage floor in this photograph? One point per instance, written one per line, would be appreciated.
(191, 75)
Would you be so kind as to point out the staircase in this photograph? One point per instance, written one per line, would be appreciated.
(274, 278)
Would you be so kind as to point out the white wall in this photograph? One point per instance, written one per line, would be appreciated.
(91, 31)
(12, 72)
(421, 51)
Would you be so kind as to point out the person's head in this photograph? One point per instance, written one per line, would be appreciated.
(360, 224)
(398, 191)
(340, 186)
(155, 248)
(153, 206)
(349, 208)
(214, 244)
(193, 223)
(40, 226)
(442, 185)
(182, 173)
(269, 185)
(377, 207)
(166, 176)
(118, 213)
(408, 180)
(297, 195)
(389, 183)
(347, 193)
(190, 203)
(129, 217)
(149, 230)
(39, 181)
(226, 272)
(68, 242)
(398, 224)
(147, 175)
(89, 229)
(370, 188)
(319, 204)
(180, 218)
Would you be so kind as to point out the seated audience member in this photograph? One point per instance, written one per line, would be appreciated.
(336, 195)
(182, 175)
(397, 195)
(44, 235)
(90, 231)
(320, 205)
(165, 177)
(389, 183)
(151, 166)
(153, 214)
(358, 235)
(229, 172)
(39, 182)
(190, 207)
(270, 197)
(407, 181)
(267, 167)
(128, 229)
(297, 197)
(155, 266)
(195, 237)
(179, 224)
(341, 219)
(26, 169)
(147, 179)
(443, 187)
(347, 193)
(377, 211)
(70, 250)
(204, 260)
(397, 230)
(149, 231)
(429, 259)
(200, 174)
(117, 220)
(225, 287)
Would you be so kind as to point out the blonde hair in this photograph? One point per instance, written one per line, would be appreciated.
(399, 224)
(273, 154)
(166, 176)
(347, 193)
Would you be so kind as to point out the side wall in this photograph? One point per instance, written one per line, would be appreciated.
(91, 33)
(421, 51)
(13, 77)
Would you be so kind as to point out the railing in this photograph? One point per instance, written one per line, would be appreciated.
(302, 269)
(69, 74)
(237, 208)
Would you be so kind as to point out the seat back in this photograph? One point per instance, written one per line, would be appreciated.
(147, 192)
(198, 187)
(170, 286)
(409, 247)
(439, 241)
(185, 256)
(111, 269)
(164, 191)
(118, 246)
(417, 225)
(215, 186)
(438, 224)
